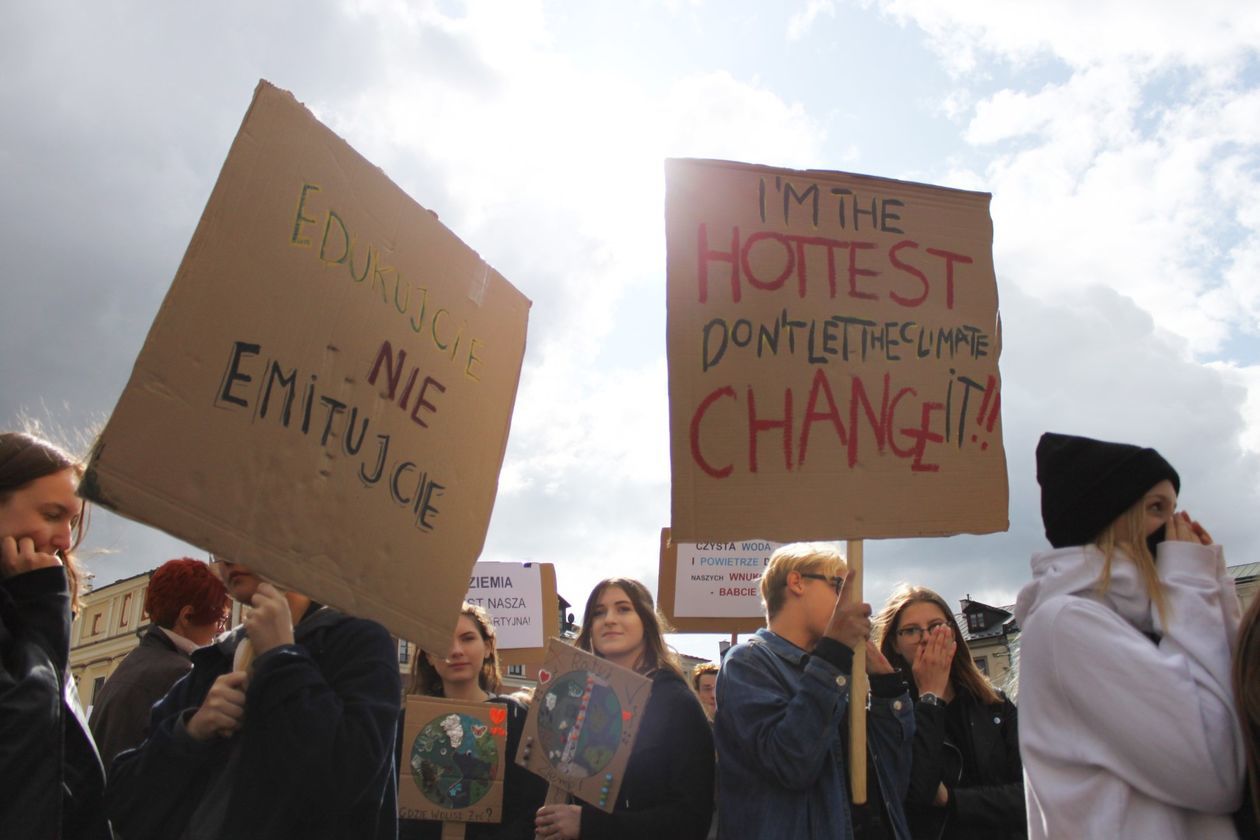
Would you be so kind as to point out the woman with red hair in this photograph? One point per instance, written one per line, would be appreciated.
(187, 604)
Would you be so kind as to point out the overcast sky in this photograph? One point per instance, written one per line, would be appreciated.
(1120, 141)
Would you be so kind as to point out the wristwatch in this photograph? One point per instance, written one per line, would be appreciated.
(931, 699)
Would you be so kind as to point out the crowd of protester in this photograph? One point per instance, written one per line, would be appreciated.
(1139, 699)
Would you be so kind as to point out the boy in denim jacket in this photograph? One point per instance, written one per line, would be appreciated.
(782, 719)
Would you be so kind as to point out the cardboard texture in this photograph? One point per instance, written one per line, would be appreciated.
(326, 391)
(452, 761)
(833, 344)
(716, 587)
(582, 724)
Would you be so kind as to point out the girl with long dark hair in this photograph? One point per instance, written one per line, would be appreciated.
(667, 789)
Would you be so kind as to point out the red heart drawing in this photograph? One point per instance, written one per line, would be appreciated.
(544, 676)
(497, 716)
(626, 715)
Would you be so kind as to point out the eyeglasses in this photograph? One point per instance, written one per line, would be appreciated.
(835, 581)
(914, 633)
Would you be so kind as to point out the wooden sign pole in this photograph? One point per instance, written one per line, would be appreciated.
(857, 689)
(454, 830)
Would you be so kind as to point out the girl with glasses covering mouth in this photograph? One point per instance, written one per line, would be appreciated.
(966, 779)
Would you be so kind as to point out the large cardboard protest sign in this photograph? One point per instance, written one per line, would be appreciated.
(833, 345)
(582, 724)
(521, 600)
(713, 587)
(453, 760)
(326, 391)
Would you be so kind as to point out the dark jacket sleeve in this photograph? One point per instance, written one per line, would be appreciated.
(1001, 804)
(151, 790)
(34, 649)
(347, 714)
(927, 768)
(680, 763)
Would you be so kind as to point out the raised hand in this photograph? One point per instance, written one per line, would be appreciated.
(222, 712)
(270, 622)
(850, 620)
(18, 556)
(932, 662)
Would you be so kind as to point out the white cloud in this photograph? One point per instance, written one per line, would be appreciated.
(803, 20)
(1213, 34)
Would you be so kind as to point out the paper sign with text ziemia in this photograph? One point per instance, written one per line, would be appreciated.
(326, 392)
(512, 594)
(833, 344)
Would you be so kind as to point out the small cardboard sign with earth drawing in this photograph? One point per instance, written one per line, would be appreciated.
(452, 761)
(582, 724)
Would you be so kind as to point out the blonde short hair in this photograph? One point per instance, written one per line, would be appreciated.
(817, 557)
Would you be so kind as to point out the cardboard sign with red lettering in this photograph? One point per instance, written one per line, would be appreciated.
(833, 344)
(326, 392)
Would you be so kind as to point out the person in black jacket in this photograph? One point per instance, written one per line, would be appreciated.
(187, 604)
(966, 780)
(470, 671)
(298, 745)
(667, 788)
(51, 777)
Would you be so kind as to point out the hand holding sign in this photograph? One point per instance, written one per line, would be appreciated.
(850, 620)
(876, 662)
(223, 710)
(270, 622)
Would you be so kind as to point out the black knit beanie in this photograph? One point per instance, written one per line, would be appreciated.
(1086, 484)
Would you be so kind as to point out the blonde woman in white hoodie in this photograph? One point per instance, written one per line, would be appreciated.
(1127, 719)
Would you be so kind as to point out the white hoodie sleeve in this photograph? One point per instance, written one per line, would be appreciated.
(1161, 717)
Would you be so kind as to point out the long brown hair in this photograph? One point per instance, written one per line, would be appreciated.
(656, 654)
(426, 680)
(25, 458)
(1247, 695)
(963, 672)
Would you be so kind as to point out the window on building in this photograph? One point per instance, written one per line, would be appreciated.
(126, 608)
(516, 670)
(144, 613)
(404, 651)
(982, 662)
(97, 685)
(96, 623)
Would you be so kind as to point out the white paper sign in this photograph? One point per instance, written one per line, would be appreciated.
(722, 579)
(512, 594)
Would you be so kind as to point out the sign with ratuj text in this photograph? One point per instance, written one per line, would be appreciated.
(512, 593)
(453, 760)
(582, 724)
(326, 391)
(833, 344)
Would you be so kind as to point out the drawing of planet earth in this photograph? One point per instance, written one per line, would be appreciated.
(579, 723)
(453, 761)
